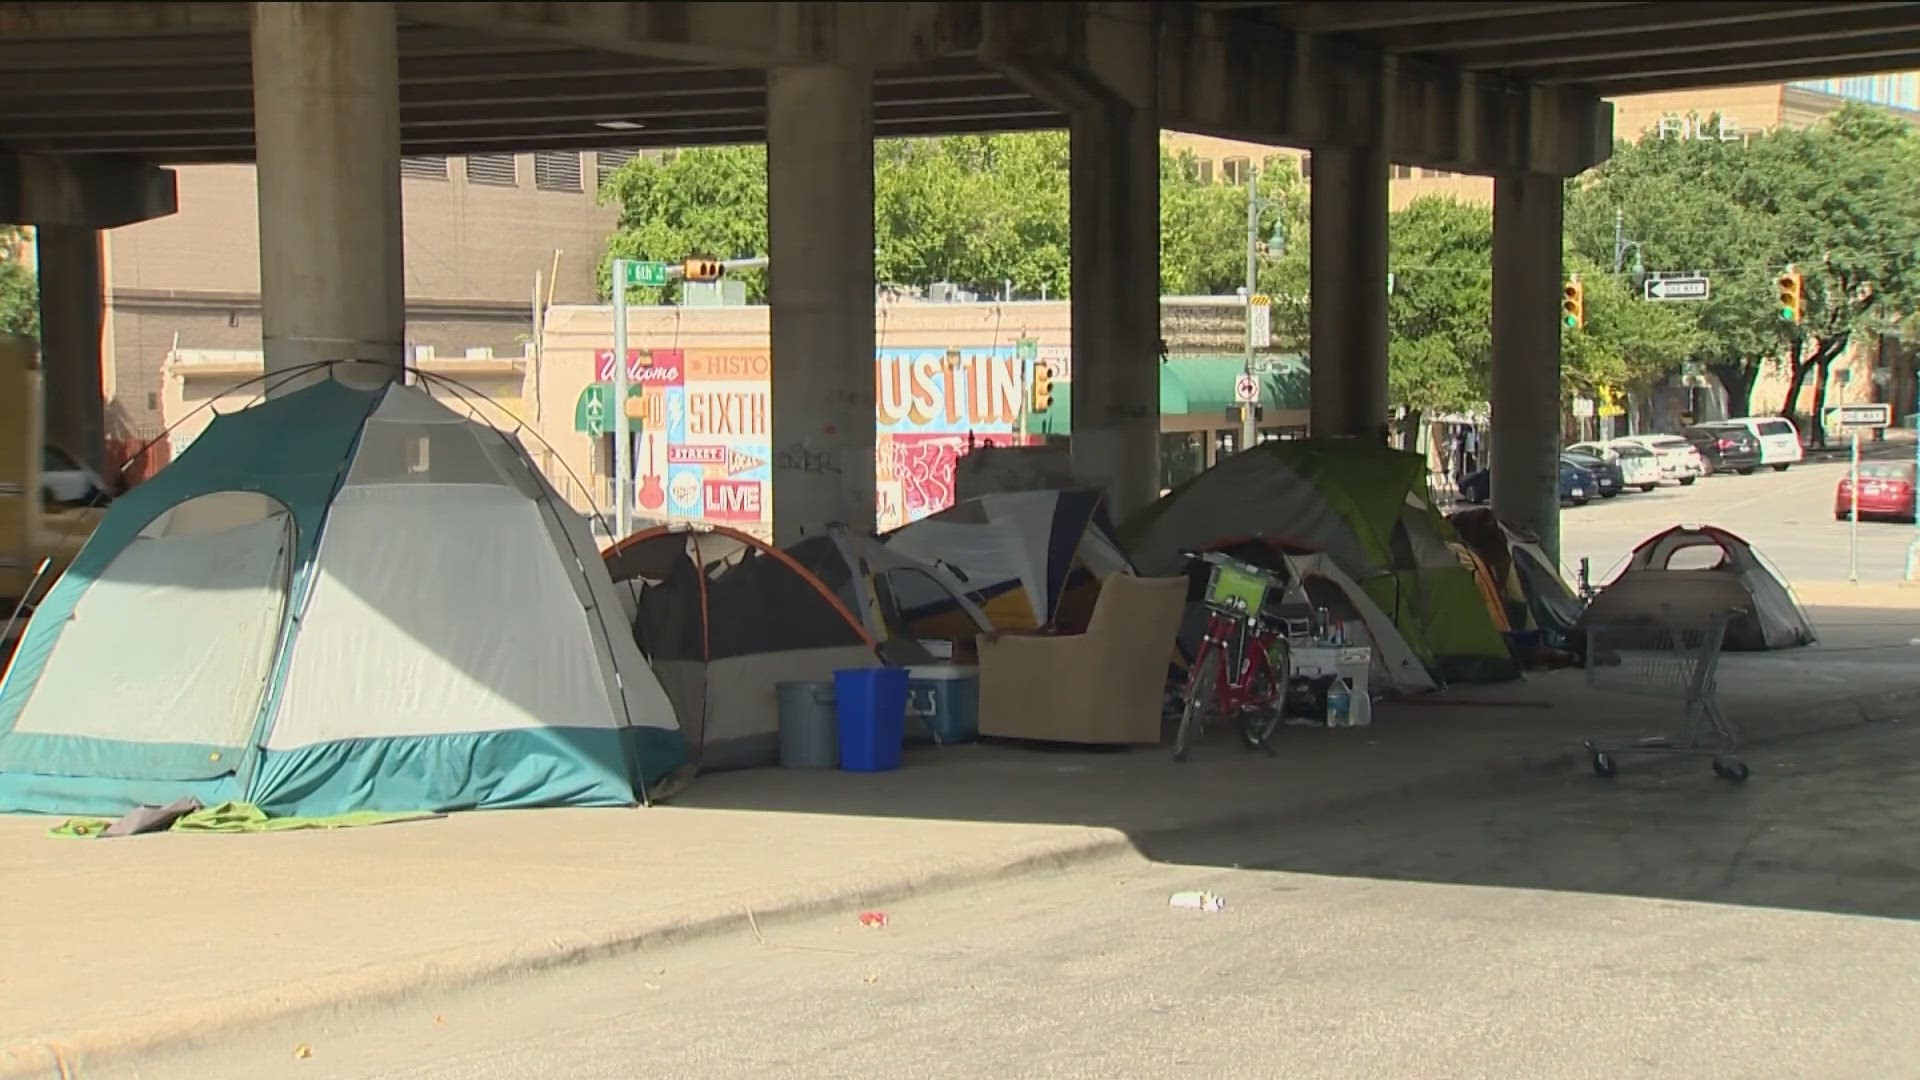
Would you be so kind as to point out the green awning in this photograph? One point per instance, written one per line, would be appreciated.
(1192, 385)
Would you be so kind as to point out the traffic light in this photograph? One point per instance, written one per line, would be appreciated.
(1793, 301)
(1042, 386)
(703, 269)
(1573, 304)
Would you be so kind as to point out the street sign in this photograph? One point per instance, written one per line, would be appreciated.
(590, 410)
(646, 273)
(1678, 288)
(1246, 389)
(1866, 417)
(1583, 408)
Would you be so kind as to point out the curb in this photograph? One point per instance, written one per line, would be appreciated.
(472, 966)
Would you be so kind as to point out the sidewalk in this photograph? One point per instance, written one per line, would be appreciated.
(116, 945)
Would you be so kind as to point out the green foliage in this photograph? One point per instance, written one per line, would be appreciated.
(19, 288)
(976, 210)
(1440, 314)
(1839, 200)
(710, 202)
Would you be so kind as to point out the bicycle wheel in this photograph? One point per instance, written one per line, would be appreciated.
(1261, 717)
(1202, 684)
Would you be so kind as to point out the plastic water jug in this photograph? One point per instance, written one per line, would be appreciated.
(1339, 703)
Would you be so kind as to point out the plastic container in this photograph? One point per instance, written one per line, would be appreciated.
(1339, 703)
(871, 706)
(809, 725)
(943, 703)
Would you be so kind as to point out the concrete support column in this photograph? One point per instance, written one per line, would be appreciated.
(1116, 303)
(820, 285)
(1349, 309)
(1525, 390)
(326, 99)
(72, 317)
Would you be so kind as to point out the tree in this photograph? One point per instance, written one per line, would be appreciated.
(1846, 193)
(1839, 201)
(981, 211)
(19, 288)
(709, 202)
(1440, 313)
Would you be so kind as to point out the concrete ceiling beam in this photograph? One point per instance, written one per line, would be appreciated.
(1815, 31)
(1607, 20)
(1736, 61)
(1236, 79)
(749, 34)
(93, 193)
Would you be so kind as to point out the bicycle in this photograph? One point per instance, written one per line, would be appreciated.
(1233, 672)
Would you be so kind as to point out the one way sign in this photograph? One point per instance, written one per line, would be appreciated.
(1678, 288)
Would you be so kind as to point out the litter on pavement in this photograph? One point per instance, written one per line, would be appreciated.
(1197, 901)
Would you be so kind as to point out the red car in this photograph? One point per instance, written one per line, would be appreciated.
(1886, 491)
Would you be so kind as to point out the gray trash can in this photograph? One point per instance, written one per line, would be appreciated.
(809, 725)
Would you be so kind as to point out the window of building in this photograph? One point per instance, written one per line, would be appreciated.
(1403, 172)
(1225, 443)
(1436, 173)
(1183, 456)
(1306, 166)
(497, 170)
(555, 170)
(428, 167)
(1203, 170)
(606, 162)
(1234, 170)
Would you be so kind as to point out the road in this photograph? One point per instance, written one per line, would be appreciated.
(1787, 516)
(1662, 924)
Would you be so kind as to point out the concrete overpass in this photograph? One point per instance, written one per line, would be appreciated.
(98, 98)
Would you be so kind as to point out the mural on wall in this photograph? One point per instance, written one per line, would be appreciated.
(706, 416)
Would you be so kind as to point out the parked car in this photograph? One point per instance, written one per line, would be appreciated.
(1577, 485)
(1727, 447)
(66, 482)
(1608, 480)
(1779, 439)
(1886, 491)
(1679, 461)
(1638, 467)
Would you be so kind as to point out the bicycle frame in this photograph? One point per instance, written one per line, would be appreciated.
(1242, 646)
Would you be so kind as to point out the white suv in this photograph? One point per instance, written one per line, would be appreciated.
(1679, 460)
(1779, 440)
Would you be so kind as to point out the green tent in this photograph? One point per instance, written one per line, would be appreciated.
(1365, 506)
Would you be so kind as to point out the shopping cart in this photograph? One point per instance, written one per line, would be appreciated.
(1673, 659)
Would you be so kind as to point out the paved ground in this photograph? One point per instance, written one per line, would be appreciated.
(1658, 925)
(124, 940)
(1788, 516)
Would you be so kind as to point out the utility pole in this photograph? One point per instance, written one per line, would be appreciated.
(1249, 434)
(1619, 239)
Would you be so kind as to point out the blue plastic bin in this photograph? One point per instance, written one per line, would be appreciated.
(871, 704)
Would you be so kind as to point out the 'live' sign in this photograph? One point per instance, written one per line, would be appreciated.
(733, 500)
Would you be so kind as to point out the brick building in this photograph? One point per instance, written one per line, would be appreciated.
(478, 231)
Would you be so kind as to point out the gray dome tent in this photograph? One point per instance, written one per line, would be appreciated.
(1692, 572)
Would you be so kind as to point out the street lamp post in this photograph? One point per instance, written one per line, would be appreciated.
(1249, 410)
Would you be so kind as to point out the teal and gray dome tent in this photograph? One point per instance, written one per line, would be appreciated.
(335, 600)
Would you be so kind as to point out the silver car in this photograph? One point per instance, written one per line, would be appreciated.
(1679, 461)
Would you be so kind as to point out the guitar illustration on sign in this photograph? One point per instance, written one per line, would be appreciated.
(653, 494)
